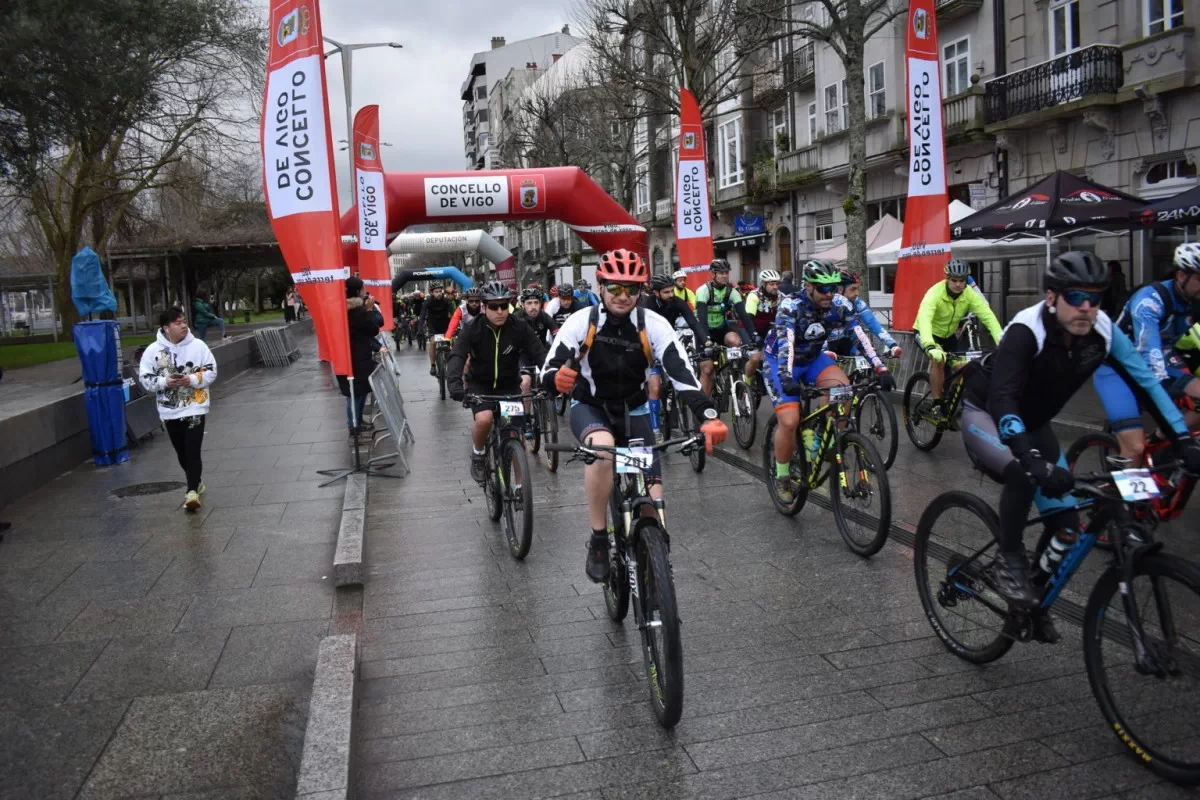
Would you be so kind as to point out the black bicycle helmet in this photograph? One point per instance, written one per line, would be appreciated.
(1077, 268)
(719, 265)
(495, 290)
(957, 268)
(581, 283)
(566, 290)
(531, 294)
(474, 293)
(660, 282)
(822, 272)
(849, 277)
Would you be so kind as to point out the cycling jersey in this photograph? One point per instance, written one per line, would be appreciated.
(940, 313)
(867, 317)
(798, 337)
(761, 309)
(543, 325)
(495, 355)
(585, 298)
(613, 370)
(1030, 377)
(554, 309)
(686, 295)
(714, 302)
(1155, 317)
(462, 316)
(672, 311)
(436, 314)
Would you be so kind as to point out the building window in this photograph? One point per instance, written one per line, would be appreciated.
(892, 205)
(614, 129)
(833, 110)
(481, 93)
(730, 141)
(812, 122)
(956, 66)
(481, 115)
(876, 95)
(1163, 15)
(642, 196)
(779, 129)
(1176, 171)
(823, 231)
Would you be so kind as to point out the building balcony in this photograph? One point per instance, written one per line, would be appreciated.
(803, 67)
(770, 83)
(646, 217)
(963, 113)
(1067, 83)
(797, 166)
(664, 208)
(1167, 60)
(953, 9)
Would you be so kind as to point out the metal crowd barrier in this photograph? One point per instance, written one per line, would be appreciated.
(390, 405)
(276, 347)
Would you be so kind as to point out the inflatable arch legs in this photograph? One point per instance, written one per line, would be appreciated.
(562, 193)
(458, 242)
(432, 273)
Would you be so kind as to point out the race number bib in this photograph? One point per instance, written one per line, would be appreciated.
(840, 393)
(633, 459)
(974, 355)
(733, 353)
(861, 364)
(511, 408)
(1135, 484)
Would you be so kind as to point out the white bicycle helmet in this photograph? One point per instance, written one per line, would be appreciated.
(1187, 257)
(767, 275)
(677, 274)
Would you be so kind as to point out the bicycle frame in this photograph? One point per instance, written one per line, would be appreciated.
(833, 413)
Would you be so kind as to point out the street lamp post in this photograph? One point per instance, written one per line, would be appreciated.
(347, 51)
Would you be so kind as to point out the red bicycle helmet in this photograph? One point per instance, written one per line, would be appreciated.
(622, 266)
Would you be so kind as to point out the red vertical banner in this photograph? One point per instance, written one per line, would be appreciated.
(693, 217)
(298, 172)
(373, 265)
(925, 243)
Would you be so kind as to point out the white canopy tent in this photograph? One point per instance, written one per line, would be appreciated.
(968, 249)
(884, 230)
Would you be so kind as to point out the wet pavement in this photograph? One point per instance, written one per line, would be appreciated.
(810, 672)
(148, 652)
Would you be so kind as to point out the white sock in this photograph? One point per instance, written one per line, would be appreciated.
(477, 452)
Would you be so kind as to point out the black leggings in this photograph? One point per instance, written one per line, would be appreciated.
(187, 437)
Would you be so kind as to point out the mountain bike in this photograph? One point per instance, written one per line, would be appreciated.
(441, 356)
(543, 422)
(507, 484)
(922, 423)
(675, 413)
(846, 459)
(640, 559)
(731, 392)
(1134, 622)
(872, 410)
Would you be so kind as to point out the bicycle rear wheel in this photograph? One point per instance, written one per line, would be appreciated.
(923, 432)
(518, 498)
(441, 375)
(492, 492)
(687, 425)
(1157, 715)
(745, 421)
(860, 495)
(662, 649)
(876, 420)
(965, 614)
(550, 431)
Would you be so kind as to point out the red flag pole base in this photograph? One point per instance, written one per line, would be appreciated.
(367, 467)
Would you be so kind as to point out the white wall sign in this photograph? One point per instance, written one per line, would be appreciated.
(461, 197)
(371, 231)
(294, 147)
(927, 157)
(691, 201)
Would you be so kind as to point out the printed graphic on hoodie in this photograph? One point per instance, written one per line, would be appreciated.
(190, 358)
(183, 396)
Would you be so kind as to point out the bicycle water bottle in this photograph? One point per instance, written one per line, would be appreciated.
(1052, 556)
(812, 445)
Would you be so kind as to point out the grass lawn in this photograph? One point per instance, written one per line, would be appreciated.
(237, 318)
(15, 356)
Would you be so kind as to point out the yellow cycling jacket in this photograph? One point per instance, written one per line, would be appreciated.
(940, 313)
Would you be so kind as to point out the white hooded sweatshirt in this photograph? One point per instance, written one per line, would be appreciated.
(190, 357)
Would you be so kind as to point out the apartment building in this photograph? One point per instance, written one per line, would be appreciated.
(1104, 88)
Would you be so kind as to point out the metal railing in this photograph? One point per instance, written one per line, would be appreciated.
(803, 65)
(389, 404)
(276, 347)
(663, 208)
(798, 161)
(1092, 70)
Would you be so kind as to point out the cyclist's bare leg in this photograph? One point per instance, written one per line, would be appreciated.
(431, 346)
(937, 379)
(526, 383)
(753, 364)
(733, 339)
(654, 387)
(598, 479)
(706, 377)
(1133, 444)
(830, 377)
(788, 417)
(480, 429)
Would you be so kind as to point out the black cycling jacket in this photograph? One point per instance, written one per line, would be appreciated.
(495, 355)
(436, 313)
(672, 310)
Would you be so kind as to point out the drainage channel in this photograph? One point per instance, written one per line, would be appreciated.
(1066, 609)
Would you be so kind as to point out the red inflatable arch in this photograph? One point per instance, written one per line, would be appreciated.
(562, 193)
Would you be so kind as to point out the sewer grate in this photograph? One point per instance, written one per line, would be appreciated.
(143, 489)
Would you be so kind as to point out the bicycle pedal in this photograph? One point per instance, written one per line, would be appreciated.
(1018, 627)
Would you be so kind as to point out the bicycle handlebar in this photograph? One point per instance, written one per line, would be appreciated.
(593, 450)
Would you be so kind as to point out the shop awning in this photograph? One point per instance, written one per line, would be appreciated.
(752, 240)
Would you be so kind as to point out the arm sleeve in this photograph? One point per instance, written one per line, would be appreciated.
(1010, 374)
(867, 317)
(739, 310)
(924, 321)
(553, 306)
(752, 304)
(533, 345)
(702, 314)
(207, 374)
(453, 326)
(850, 316)
(676, 366)
(150, 380)
(1130, 365)
(566, 344)
(1146, 314)
(979, 305)
(785, 332)
(457, 361)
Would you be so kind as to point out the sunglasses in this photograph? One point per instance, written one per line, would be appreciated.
(824, 288)
(497, 306)
(1077, 297)
(623, 290)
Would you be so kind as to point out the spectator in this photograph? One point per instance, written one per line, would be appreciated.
(1114, 295)
(204, 317)
(786, 287)
(179, 368)
(364, 321)
(289, 306)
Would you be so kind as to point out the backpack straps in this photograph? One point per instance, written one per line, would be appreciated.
(594, 320)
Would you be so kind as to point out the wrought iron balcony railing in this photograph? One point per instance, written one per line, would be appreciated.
(1092, 70)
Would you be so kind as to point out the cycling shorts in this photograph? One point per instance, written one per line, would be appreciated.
(717, 335)
(635, 424)
(949, 344)
(805, 374)
(489, 405)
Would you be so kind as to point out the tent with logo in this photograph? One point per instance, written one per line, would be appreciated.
(966, 249)
(1173, 212)
(886, 229)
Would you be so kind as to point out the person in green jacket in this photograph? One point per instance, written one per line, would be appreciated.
(943, 307)
(203, 316)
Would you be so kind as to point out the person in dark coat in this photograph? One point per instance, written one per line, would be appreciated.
(363, 319)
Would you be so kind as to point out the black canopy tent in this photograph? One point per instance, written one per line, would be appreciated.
(1173, 212)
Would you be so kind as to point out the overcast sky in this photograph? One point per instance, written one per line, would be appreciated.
(417, 88)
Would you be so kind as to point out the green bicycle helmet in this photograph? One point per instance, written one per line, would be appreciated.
(822, 272)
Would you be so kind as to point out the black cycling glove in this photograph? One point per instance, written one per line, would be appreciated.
(1054, 481)
(1187, 450)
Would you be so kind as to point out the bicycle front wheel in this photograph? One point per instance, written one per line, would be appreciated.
(953, 540)
(918, 396)
(550, 431)
(860, 495)
(534, 421)
(518, 498)
(745, 421)
(687, 425)
(1091, 452)
(491, 487)
(441, 376)
(876, 420)
(662, 648)
(800, 487)
(1152, 707)
(616, 589)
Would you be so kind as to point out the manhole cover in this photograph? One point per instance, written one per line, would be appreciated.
(143, 489)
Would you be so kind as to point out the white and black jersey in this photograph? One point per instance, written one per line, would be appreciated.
(613, 370)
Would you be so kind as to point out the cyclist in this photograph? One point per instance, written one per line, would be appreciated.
(761, 306)
(584, 295)
(661, 299)
(942, 308)
(495, 343)
(714, 302)
(1047, 352)
(472, 306)
(845, 346)
(601, 358)
(679, 278)
(436, 312)
(564, 305)
(795, 355)
(1155, 317)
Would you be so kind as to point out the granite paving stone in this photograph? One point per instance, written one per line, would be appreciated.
(273, 653)
(44, 675)
(176, 662)
(47, 752)
(104, 619)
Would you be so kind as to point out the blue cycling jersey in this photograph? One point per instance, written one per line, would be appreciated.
(801, 329)
(866, 317)
(1155, 329)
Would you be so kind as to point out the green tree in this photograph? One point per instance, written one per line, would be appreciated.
(98, 99)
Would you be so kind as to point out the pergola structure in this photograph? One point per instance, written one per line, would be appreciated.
(23, 276)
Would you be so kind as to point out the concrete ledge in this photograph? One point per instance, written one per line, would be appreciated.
(326, 764)
(348, 558)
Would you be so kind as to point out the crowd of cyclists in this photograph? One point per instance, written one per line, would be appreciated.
(616, 351)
